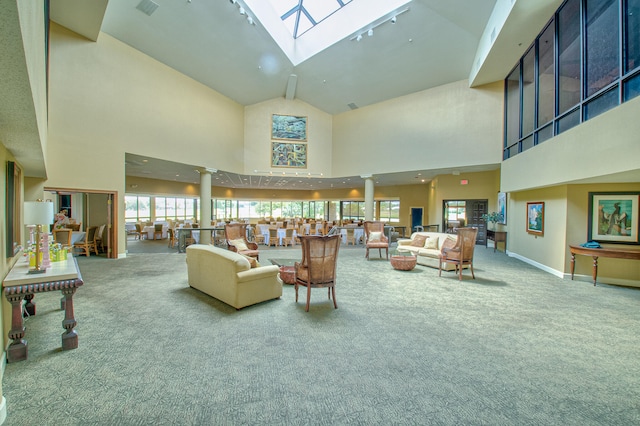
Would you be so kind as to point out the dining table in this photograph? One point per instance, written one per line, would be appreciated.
(77, 236)
(151, 229)
(282, 233)
(358, 233)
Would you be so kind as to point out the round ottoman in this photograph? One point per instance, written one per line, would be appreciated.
(288, 274)
(403, 263)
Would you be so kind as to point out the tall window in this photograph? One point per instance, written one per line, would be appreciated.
(390, 211)
(572, 72)
(137, 208)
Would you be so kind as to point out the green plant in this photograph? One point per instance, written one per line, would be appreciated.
(493, 217)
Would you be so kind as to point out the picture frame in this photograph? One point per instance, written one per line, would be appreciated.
(613, 217)
(535, 218)
(285, 154)
(13, 205)
(502, 206)
(289, 127)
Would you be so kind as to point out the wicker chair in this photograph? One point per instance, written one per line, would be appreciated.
(62, 236)
(273, 236)
(157, 230)
(289, 239)
(233, 233)
(88, 243)
(462, 253)
(318, 266)
(375, 238)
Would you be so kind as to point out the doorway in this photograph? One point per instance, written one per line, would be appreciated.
(416, 217)
(90, 208)
(465, 213)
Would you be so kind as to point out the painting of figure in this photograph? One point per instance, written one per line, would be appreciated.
(614, 217)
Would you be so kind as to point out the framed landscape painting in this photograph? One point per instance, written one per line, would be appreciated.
(284, 154)
(613, 217)
(289, 127)
(535, 218)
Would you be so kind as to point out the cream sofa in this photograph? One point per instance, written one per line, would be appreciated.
(228, 276)
(428, 256)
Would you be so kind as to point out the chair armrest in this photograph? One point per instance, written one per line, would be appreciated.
(252, 246)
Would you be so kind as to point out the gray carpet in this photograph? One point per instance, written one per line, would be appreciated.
(515, 346)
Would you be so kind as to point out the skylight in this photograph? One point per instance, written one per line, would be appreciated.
(303, 28)
(299, 16)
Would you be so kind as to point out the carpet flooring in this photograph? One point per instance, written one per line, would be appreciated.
(515, 346)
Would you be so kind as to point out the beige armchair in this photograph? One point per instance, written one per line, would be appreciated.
(236, 236)
(318, 266)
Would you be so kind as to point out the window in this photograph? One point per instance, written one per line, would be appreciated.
(574, 73)
(390, 211)
(137, 208)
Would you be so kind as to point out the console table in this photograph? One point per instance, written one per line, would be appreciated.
(19, 284)
(616, 253)
(497, 237)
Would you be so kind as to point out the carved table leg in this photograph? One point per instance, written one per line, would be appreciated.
(18, 348)
(595, 269)
(70, 336)
(573, 264)
(30, 306)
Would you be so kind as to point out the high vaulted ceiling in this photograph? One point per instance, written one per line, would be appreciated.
(435, 42)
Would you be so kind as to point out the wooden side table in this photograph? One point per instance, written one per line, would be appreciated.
(19, 284)
(497, 237)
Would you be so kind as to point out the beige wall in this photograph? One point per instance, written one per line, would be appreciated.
(107, 99)
(257, 134)
(447, 126)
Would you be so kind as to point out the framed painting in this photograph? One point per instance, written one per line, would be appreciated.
(613, 217)
(535, 217)
(13, 205)
(284, 154)
(502, 206)
(289, 127)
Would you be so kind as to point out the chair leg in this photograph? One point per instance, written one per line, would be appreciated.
(296, 288)
(335, 304)
(472, 274)
(367, 254)
(308, 298)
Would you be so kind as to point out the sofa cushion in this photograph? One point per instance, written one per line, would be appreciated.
(432, 243)
(419, 240)
(239, 244)
(375, 237)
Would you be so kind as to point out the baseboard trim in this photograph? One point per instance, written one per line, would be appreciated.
(576, 277)
(545, 268)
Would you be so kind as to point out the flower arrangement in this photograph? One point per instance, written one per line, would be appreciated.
(493, 217)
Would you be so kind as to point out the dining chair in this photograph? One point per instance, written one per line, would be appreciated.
(139, 234)
(157, 230)
(99, 237)
(317, 269)
(274, 240)
(289, 238)
(351, 238)
(88, 243)
(62, 236)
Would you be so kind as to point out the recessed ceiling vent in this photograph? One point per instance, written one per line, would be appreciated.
(147, 6)
(352, 105)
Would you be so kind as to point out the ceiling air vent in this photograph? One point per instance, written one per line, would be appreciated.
(147, 6)
(352, 105)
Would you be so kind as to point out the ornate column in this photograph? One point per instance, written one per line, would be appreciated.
(368, 196)
(205, 204)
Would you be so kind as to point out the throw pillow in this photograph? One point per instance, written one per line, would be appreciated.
(239, 244)
(432, 243)
(375, 237)
(418, 241)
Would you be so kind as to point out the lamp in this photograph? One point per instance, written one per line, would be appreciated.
(38, 213)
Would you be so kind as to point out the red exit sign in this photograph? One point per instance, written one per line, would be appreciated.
(464, 181)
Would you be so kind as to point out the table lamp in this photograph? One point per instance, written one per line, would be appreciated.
(38, 213)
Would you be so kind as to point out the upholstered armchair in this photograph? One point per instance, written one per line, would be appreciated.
(461, 254)
(318, 266)
(375, 238)
(236, 236)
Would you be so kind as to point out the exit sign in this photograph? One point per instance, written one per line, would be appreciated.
(464, 181)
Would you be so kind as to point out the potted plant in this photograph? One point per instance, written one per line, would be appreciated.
(493, 217)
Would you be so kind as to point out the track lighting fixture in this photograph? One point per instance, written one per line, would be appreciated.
(393, 20)
(370, 32)
(242, 11)
(359, 37)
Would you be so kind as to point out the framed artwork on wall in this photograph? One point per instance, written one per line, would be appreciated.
(502, 206)
(289, 127)
(613, 217)
(535, 218)
(284, 154)
(13, 204)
